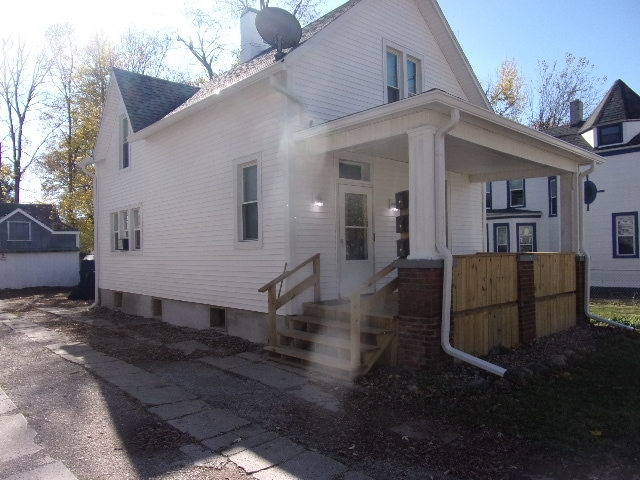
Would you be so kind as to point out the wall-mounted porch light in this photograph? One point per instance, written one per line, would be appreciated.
(318, 200)
(392, 206)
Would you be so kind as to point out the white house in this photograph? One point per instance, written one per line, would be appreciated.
(611, 221)
(205, 195)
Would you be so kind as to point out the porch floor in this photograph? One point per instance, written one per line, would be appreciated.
(386, 308)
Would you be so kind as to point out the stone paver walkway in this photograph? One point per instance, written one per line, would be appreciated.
(220, 435)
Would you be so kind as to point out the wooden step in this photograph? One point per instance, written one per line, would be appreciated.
(338, 324)
(344, 343)
(332, 362)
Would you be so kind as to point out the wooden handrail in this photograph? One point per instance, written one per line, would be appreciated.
(357, 309)
(275, 301)
(286, 275)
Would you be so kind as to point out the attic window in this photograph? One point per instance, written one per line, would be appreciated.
(19, 231)
(610, 135)
(403, 73)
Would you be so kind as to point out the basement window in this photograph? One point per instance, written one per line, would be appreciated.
(156, 307)
(217, 317)
(117, 299)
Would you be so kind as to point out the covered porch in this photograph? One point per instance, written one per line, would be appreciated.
(451, 148)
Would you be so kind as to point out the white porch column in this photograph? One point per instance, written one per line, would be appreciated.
(422, 199)
(569, 213)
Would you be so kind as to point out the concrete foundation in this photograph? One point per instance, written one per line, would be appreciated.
(245, 324)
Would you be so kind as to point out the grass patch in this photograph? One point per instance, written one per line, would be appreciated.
(585, 409)
(627, 312)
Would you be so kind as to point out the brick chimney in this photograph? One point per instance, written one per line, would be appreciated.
(251, 43)
(575, 112)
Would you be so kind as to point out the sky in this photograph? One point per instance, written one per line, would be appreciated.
(489, 31)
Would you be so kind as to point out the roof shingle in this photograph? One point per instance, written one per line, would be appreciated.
(148, 99)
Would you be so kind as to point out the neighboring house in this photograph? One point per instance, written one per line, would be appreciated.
(205, 195)
(36, 248)
(611, 221)
(522, 215)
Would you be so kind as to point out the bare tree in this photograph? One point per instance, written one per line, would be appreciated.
(305, 10)
(204, 42)
(22, 78)
(144, 53)
(559, 85)
(507, 91)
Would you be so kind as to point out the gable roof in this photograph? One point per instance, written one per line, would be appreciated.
(148, 99)
(44, 214)
(433, 16)
(240, 71)
(618, 105)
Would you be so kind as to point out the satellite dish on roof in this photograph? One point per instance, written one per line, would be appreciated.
(278, 28)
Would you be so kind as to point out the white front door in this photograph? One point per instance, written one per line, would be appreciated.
(355, 242)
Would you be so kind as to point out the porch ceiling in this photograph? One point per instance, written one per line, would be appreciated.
(483, 145)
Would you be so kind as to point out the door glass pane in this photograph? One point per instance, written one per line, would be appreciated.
(356, 226)
(356, 243)
(355, 205)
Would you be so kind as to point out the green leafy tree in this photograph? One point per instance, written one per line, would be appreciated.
(63, 181)
(507, 91)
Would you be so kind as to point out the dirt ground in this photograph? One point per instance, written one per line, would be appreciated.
(416, 420)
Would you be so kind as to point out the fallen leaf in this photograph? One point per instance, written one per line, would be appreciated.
(597, 433)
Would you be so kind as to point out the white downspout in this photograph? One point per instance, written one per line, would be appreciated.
(441, 246)
(587, 257)
(278, 87)
(83, 164)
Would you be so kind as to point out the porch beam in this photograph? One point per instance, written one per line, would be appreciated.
(516, 173)
(502, 141)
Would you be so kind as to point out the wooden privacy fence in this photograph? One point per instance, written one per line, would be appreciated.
(488, 308)
(555, 280)
(485, 302)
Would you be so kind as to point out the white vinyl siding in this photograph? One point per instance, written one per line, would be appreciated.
(344, 71)
(186, 185)
(464, 213)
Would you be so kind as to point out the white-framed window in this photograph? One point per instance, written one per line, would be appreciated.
(515, 193)
(19, 231)
(126, 230)
(526, 237)
(610, 134)
(501, 237)
(349, 170)
(403, 73)
(625, 235)
(248, 193)
(125, 150)
(488, 196)
(553, 196)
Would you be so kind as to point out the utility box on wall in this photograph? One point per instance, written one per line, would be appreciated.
(402, 223)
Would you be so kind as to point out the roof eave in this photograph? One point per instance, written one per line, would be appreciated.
(438, 98)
